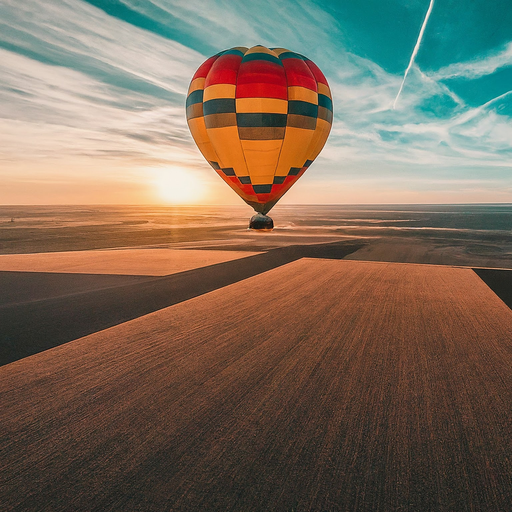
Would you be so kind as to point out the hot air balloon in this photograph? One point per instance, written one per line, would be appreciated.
(259, 116)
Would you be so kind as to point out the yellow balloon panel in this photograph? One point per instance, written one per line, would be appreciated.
(198, 131)
(229, 149)
(196, 85)
(319, 138)
(273, 105)
(279, 51)
(324, 89)
(295, 149)
(218, 91)
(261, 157)
(260, 49)
(296, 93)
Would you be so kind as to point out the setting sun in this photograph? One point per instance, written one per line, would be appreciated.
(178, 186)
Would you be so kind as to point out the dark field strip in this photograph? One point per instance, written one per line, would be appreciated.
(39, 311)
(319, 385)
(499, 281)
(23, 240)
(17, 288)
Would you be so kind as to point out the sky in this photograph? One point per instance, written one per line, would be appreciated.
(92, 96)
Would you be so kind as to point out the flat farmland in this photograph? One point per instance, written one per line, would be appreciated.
(318, 385)
(123, 261)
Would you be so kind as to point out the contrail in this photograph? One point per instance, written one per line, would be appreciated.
(415, 51)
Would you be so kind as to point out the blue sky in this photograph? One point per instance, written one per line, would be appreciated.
(92, 97)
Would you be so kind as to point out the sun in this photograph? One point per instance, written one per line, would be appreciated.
(178, 186)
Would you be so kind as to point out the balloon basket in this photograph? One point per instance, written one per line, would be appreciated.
(260, 222)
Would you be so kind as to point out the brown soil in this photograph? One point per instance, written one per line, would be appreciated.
(318, 385)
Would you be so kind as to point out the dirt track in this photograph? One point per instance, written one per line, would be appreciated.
(318, 385)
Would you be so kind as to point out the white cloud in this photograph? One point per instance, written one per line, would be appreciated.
(117, 97)
(224, 23)
(73, 31)
(477, 68)
(67, 111)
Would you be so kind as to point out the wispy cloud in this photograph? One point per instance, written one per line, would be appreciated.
(483, 66)
(84, 93)
(108, 89)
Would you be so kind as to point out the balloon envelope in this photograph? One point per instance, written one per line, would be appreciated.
(260, 117)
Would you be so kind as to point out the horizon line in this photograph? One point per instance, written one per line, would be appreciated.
(159, 205)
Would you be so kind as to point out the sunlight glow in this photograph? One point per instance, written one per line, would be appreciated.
(178, 186)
